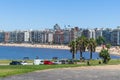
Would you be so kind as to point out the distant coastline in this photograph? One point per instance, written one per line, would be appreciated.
(113, 50)
(36, 45)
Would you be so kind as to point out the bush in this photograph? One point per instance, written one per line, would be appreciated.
(104, 54)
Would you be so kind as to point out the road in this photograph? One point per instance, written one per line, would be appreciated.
(79, 73)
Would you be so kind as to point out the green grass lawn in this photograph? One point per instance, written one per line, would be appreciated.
(5, 61)
(7, 70)
(18, 69)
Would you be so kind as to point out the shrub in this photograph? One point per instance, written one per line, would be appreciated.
(104, 54)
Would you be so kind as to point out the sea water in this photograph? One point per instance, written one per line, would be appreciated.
(11, 53)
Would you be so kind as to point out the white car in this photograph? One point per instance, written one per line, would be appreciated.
(57, 62)
(24, 63)
(38, 61)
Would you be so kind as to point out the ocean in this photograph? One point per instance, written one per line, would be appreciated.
(15, 53)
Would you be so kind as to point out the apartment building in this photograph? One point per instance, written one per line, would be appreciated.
(59, 37)
(26, 36)
(2, 36)
(115, 36)
(7, 37)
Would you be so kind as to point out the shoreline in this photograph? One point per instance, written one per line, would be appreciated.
(36, 46)
(113, 50)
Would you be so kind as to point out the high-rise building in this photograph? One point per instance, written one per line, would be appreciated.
(50, 37)
(36, 36)
(89, 33)
(2, 36)
(106, 33)
(7, 37)
(26, 36)
(58, 37)
(98, 32)
(74, 33)
(13, 37)
(66, 34)
(20, 36)
(56, 27)
(115, 37)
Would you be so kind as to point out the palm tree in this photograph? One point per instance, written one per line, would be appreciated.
(72, 46)
(91, 46)
(81, 45)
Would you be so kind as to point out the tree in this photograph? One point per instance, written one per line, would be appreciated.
(91, 46)
(104, 54)
(100, 40)
(72, 46)
(81, 45)
(108, 46)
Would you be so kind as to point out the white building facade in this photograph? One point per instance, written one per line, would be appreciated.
(27, 36)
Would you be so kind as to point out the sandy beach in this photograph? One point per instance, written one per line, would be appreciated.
(36, 45)
(113, 50)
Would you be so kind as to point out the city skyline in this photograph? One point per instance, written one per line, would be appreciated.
(41, 14)
(60, 36)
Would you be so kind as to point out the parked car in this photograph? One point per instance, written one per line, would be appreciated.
(57, 62)
(38, 61)
(15, 63)
(24, 63)
(47, 62)
(64, 61)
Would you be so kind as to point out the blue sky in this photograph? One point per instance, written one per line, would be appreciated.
(41, 14)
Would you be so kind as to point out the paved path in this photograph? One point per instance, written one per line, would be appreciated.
(82, 73)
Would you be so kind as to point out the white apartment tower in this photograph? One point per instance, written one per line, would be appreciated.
(27, 36)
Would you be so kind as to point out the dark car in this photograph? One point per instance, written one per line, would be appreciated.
(65, 61)
(15, 63)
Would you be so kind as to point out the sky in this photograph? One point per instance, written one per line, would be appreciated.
(44, 14)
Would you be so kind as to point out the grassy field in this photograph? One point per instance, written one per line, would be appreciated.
(7, 70)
